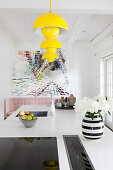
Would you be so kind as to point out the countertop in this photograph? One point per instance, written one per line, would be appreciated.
(65, 122)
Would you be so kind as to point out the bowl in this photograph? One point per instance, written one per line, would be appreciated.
(28, 123)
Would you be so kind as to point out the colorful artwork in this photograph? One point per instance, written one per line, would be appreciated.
(32, 74)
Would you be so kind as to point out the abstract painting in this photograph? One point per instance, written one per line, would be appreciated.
(32, 75)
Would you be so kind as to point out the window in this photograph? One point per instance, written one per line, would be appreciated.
(108, 78)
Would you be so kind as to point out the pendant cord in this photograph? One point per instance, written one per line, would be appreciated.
(50, 5)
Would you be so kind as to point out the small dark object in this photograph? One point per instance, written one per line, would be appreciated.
(65, 108)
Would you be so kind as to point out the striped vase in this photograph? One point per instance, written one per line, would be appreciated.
(92, 129)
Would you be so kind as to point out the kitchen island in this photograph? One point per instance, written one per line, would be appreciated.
(65, 122)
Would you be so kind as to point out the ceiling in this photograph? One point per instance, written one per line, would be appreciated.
(96, 5)
(17, 25)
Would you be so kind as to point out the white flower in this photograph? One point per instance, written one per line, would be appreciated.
(99, 98)
(99, 103)
(87, 105)
(105, 105)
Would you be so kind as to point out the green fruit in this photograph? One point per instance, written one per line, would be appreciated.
(29, 118)
(31, 114)
(34, 118)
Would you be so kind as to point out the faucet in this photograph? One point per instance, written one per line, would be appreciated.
(52, 92)
(52, 106)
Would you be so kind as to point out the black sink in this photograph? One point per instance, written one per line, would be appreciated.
(38, 113)
(77, 156)
(30, 153)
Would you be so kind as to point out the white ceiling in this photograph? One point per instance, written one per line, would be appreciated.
(103, 5)
(17, 24)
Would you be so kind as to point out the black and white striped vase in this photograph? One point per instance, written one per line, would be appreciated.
(92, 129)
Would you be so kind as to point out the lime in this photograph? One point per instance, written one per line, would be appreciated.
(29, 118)
(34, 118)
(31, 114)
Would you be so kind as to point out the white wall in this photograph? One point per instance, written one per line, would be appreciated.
(6, 52)
(81, 68)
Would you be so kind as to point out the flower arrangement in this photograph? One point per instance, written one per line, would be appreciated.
(97, 105)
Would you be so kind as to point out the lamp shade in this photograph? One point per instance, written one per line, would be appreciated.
(50, 57)
(50, 43)
(50, 32)
(51, 20)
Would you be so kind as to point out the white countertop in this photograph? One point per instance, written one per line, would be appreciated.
(65, 122)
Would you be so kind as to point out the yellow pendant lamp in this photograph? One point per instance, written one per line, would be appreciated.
(51, 46)
(50, 24)
(50, 43)
(50, 56)
(50, 32)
